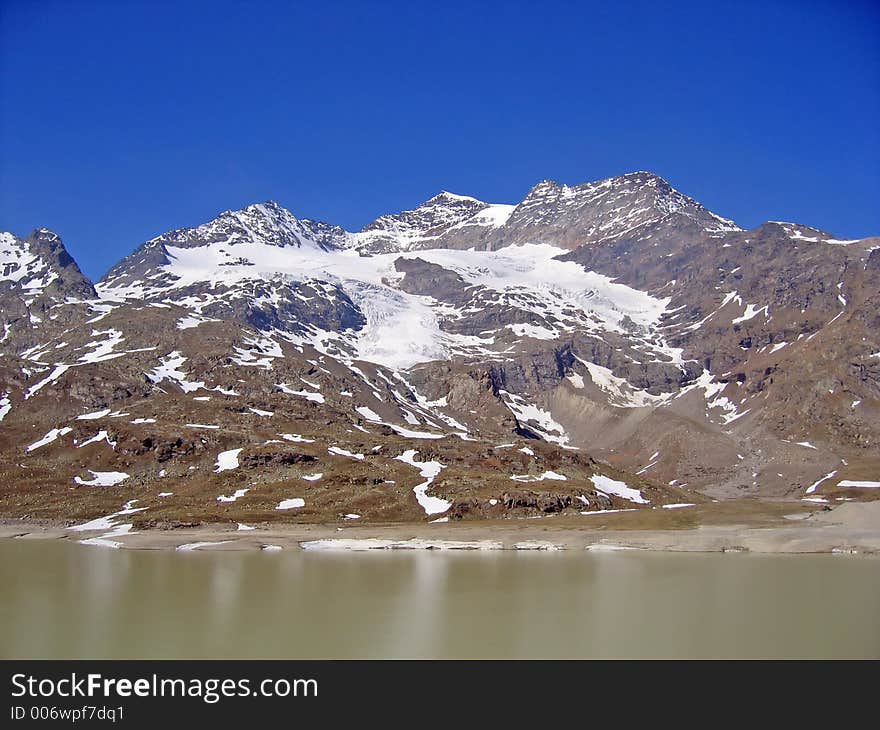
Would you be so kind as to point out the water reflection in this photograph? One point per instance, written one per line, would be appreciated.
(63, 600)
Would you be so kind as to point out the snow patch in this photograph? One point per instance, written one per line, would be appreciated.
(227, 460)
(169, 369)
(620, 489)
(294, 503)
(94, 415)
(342, 452)
(308, 395)
(296, 438)
(429, 470)
(49, 437)
(100, 436)
(190, 546)
(552, 475)
(102, 479)
(812, 487)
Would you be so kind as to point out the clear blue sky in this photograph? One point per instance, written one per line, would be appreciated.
(120, 120)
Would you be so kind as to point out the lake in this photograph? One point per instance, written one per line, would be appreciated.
(63, 600)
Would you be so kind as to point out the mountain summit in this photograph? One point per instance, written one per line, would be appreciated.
(264, 224)
(427, 225)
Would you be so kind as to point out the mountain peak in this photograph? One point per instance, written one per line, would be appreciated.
(268, 211)
(543, 187)
(43, 234)
(413, 228)
(39, 268)
(641, 176)
(264, 208)
(627, 205)
(635, 179)
(265, 224)
(445, 195)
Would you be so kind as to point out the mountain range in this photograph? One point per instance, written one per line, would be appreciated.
(612, 345)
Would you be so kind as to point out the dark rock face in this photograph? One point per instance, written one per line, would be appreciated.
(543, 502)
(143, 262)
(286, 458)
(428, 279)
(168, 450)
(799, 283)
(70, 281)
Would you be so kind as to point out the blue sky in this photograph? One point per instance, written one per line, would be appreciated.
(120, 120)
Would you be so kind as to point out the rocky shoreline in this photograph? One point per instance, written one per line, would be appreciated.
(849, 528)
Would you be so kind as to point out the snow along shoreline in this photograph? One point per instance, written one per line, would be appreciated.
(849, 529)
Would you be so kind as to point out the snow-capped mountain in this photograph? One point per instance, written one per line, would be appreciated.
(39, 266)
(266, 224)
(374, 305)
(398, 309)
(618, 317)
(634, 206)
(37, 276)
(425, 225)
